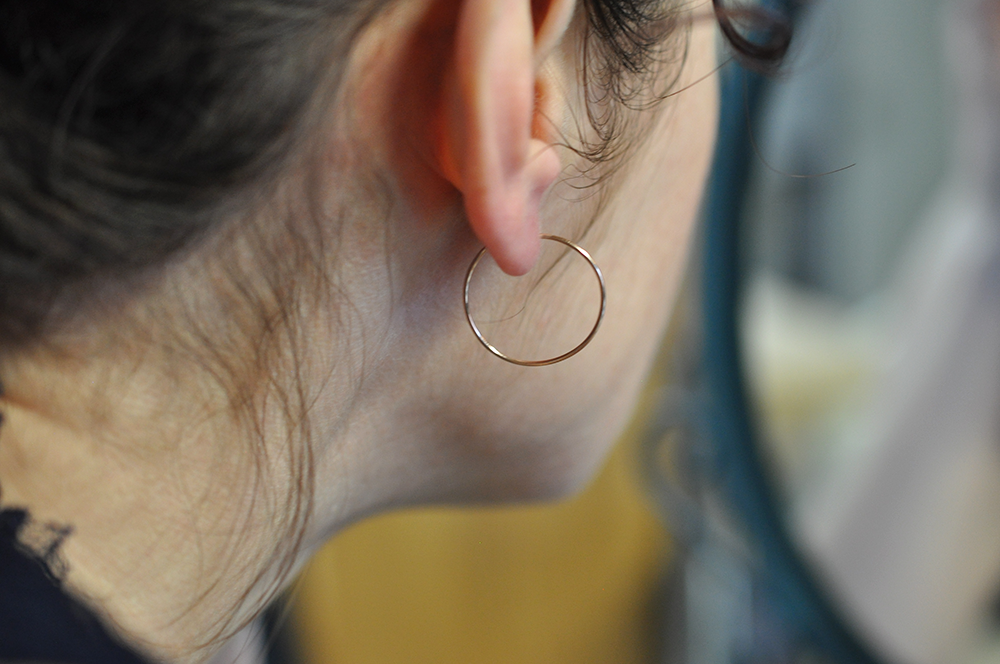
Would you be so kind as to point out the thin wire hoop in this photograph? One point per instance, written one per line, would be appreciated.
(538, 363)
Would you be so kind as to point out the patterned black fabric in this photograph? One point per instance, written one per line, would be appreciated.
(38, 620)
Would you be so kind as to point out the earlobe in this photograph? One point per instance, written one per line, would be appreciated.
(486, 145)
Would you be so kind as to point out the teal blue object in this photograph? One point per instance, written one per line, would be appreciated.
(739, 469)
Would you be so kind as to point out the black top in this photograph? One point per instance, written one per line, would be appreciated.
(39, 621)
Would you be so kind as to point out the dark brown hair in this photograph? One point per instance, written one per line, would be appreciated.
(124, 124)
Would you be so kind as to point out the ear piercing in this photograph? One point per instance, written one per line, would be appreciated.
(538, 363)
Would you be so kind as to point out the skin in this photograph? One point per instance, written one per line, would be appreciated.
(451, 111)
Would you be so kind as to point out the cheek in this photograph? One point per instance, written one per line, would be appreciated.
(541, 433)
(642, 243)
(551, 427)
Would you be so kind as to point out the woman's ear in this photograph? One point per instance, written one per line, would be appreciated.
(489, 100)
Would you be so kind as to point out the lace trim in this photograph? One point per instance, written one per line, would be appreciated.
(40, 541)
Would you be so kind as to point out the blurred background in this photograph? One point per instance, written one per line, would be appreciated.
(813, 474)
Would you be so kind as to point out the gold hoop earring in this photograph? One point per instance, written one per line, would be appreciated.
(538, 363)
